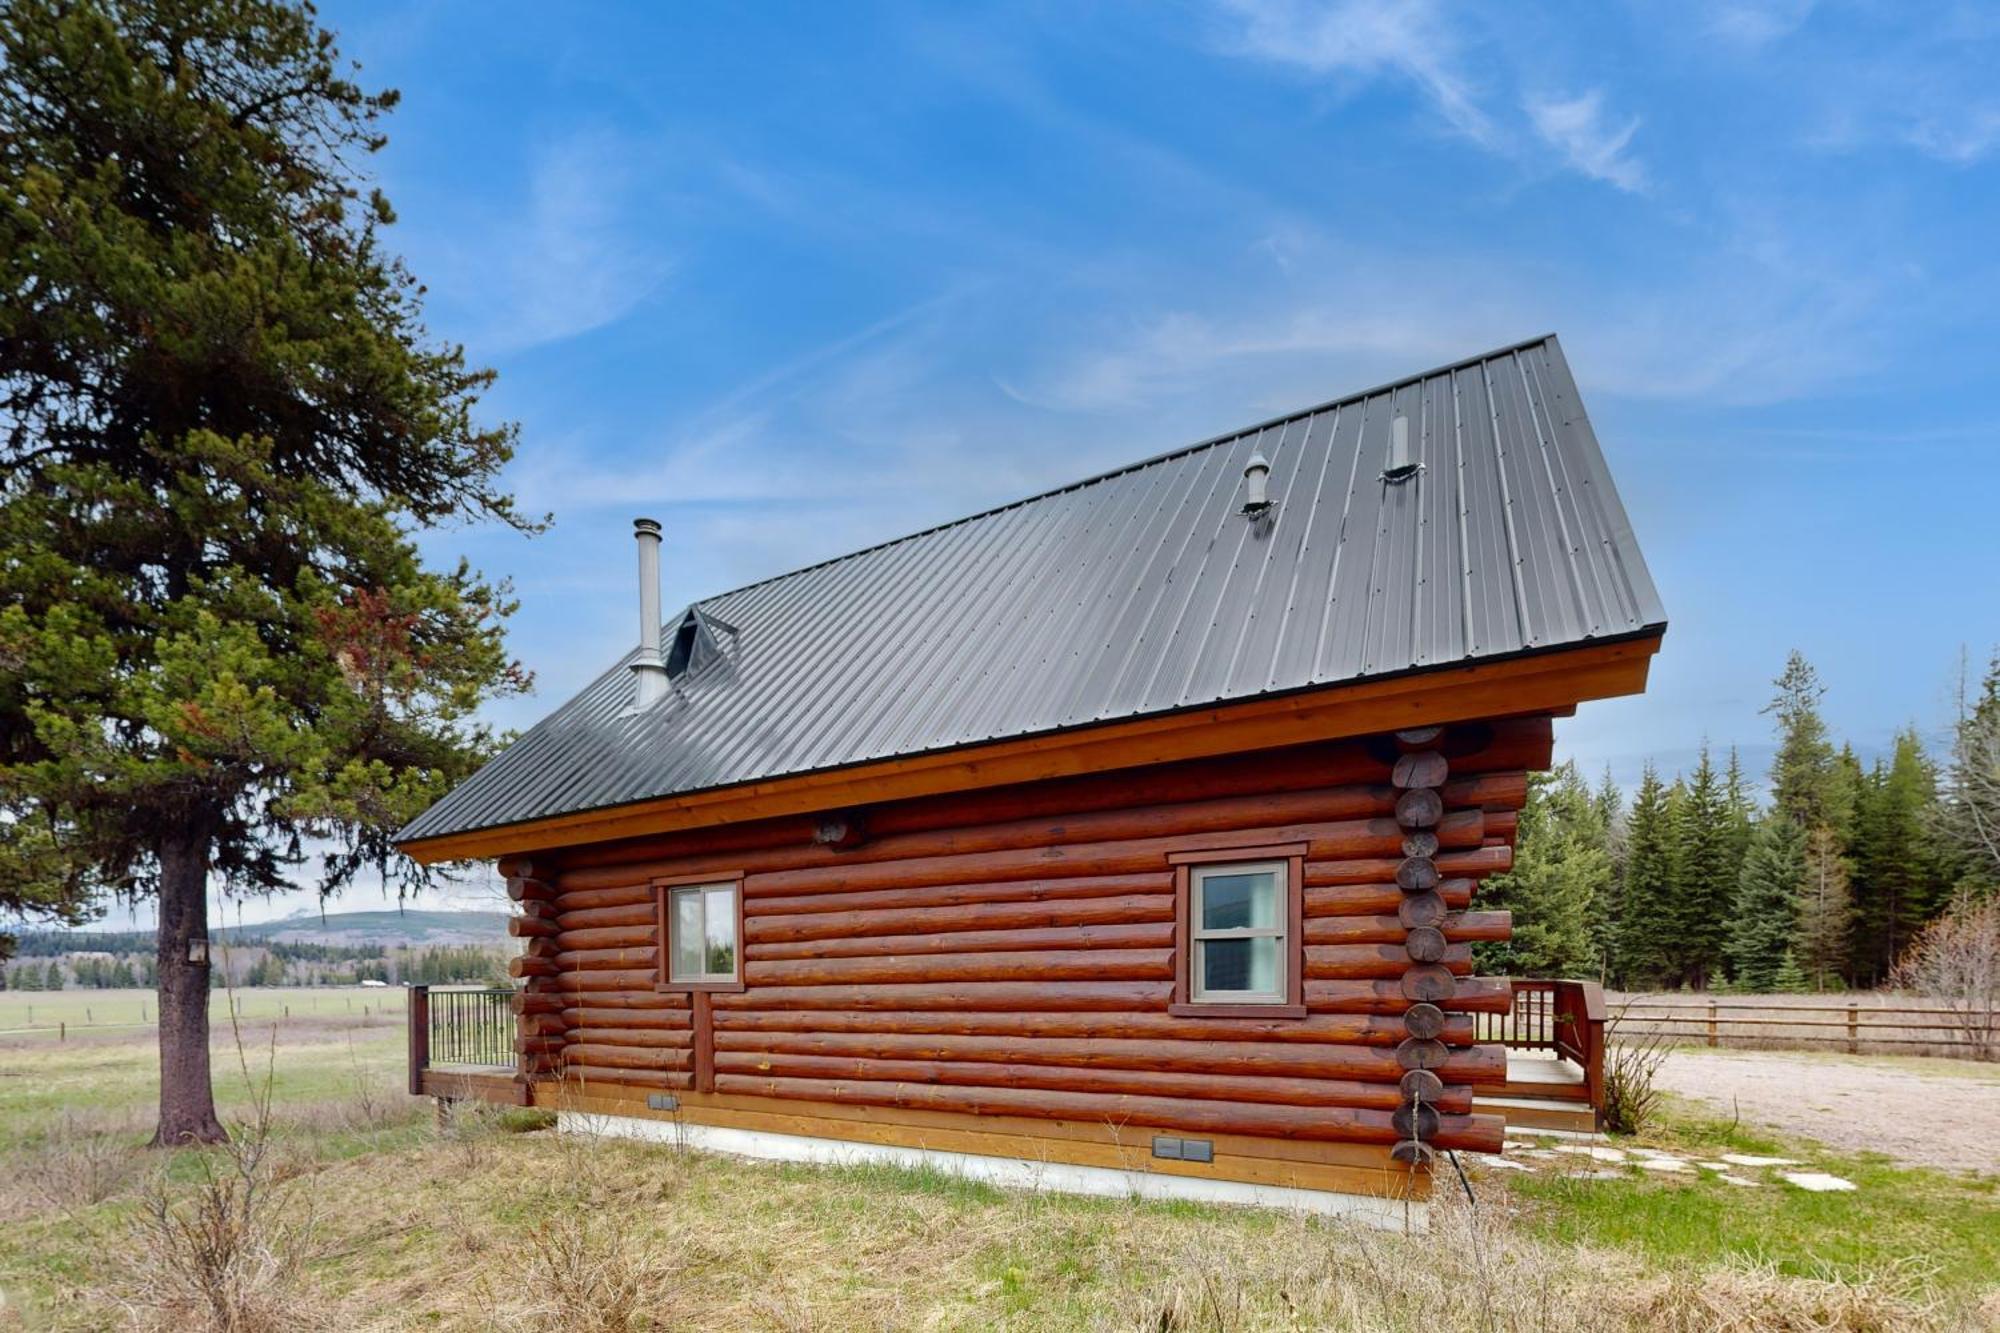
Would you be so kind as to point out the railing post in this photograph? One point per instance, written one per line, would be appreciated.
(1853, 1028)
(419, 1019)
(1712, 1035)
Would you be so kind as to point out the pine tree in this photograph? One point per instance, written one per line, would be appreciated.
(225, 423)
(1896, 869)
(1607, 909)
(38, 879)
(1802, 774)
(1767, 903)
(1561, 869)
(1741, 815)
(1826, 913)
(1705, 872)
(1645, 922)
(1790, 978)
(1969, 811)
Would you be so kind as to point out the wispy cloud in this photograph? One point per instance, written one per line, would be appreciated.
(1756, 23)
(577, 250)
(1962, 135)
(1589, 141)
(1365, 39)
(1422, 46)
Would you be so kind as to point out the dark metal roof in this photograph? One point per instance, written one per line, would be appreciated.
(1138, 592)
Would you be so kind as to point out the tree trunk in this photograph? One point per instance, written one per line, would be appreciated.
(187, 1097)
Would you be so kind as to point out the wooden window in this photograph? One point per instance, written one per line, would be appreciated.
(700, 933)
(1238, 933)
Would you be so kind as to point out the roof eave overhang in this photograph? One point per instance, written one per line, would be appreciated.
(1532, 682)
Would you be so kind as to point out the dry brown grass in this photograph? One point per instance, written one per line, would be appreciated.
(474, 1228)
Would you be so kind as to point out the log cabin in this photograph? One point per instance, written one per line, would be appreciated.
(1123, 839)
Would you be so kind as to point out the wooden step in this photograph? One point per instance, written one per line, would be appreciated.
(1540, 1113)
(1542, 1092)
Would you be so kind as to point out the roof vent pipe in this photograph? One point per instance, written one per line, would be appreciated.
(1256, 474)
(1402, 466)
(650, 671)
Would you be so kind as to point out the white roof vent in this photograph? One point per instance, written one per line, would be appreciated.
(1256, 477)
(1403, 463)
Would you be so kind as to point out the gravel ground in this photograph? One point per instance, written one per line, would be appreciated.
(1943, 1113)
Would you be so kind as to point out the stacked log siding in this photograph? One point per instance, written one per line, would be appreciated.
(1012, 953)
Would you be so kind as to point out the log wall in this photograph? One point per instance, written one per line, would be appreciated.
(1007, 958)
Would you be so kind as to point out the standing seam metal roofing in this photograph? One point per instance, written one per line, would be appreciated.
(1138, 592)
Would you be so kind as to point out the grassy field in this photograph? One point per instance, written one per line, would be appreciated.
(45, 1013)
(356, 1212)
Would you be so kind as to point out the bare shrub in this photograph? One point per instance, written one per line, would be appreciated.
(1955, 960)
(1630, 1063)
(78, 1164)
(225, 1255)
(594, 1276)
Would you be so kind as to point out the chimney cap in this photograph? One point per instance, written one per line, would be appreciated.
(646, 527)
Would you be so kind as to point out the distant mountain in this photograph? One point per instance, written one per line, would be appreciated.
(414, 928)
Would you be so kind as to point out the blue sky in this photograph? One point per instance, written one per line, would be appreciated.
(796, 278)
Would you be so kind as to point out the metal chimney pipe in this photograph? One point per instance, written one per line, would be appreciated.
(650, 670)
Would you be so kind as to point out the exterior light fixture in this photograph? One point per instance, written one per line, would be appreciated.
(198, 951)
(1256, 474)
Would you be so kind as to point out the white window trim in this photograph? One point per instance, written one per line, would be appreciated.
(731, 888)
(1197, 883)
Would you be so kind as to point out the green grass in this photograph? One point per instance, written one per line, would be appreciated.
(1900, 1218)
(418, 1230)
(36, 1014)
(112, 1076)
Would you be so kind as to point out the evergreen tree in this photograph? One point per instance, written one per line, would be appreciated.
(225, 422)
(1705, 873)
(52, 978)
(1844, 793)
(1607, 909)
(1790, 978)
(1968, 815)
(1896, 869)
(1561, 869)
(1646, 918)
(1741, 816)
(1826, 912)
(38, 880)
(1767, 902)
(1802, 774)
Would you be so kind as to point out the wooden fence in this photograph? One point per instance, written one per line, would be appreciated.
(1873, 1024)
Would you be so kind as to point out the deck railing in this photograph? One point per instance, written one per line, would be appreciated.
(460, 1027)
(1566, 1017)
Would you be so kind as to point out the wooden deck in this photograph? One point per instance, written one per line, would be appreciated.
(1544, 1091)
(485, 1083)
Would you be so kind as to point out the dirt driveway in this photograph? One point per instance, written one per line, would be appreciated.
(1943, 1113)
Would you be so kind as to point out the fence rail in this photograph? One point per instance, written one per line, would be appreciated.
(1852, 1026)
(1566, 1017)
(464, 1027)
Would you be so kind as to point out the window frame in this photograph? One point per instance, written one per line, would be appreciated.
(663, 925)
(1289, 858)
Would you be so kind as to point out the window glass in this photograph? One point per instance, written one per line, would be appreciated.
(1239, 922)
(1239, 901)
(1240, 965)
(720, 905)
(702, 930)
(687, 932)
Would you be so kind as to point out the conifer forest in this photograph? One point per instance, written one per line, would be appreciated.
(1816, 875)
